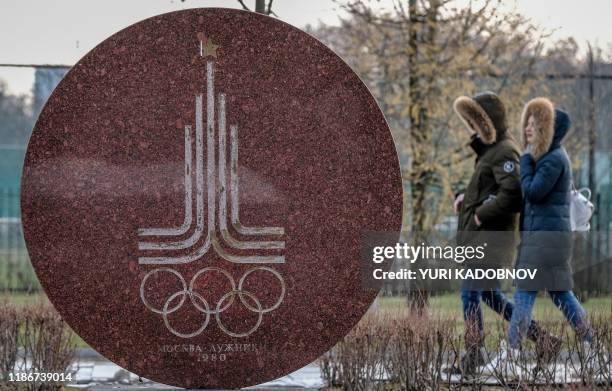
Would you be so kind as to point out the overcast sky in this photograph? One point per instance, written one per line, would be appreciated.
(62, 31)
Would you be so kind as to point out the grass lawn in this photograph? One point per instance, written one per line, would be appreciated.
(450, 305)
(545, 312)
(22, 299)
(447, 305)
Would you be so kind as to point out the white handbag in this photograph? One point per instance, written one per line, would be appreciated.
(581, 209)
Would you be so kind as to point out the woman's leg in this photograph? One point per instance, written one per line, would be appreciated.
(567, 302)
(521, 317)
(500, 304)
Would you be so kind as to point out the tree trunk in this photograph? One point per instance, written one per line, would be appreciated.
(594, 247)
(417, 298)
(260, 6)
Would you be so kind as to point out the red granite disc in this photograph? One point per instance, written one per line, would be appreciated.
(194, 193)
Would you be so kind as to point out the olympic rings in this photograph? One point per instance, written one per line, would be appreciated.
(203, 305)
(274, 273)
(155, 271)
(167, 322)
(259, 313)
(202, 271)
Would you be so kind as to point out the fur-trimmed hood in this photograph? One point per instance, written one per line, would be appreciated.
(552, 126)
(484, 114)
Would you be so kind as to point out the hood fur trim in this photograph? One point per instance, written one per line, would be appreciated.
(475, 118)
(543, 112)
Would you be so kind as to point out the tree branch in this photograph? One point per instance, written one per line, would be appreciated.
(244, 7)
(269, 10)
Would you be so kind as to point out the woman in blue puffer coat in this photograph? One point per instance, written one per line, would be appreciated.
(546, 244)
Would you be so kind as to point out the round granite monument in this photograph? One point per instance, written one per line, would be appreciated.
(194, 194)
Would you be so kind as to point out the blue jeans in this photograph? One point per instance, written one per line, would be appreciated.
(564, 300)
(472, 312)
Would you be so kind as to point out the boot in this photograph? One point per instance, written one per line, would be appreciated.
(472, 361)
(548, 346)
(473, 358)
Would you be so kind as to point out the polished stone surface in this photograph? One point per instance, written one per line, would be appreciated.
(194, 193)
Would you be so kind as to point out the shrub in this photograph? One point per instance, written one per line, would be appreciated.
(385, 350)
(399, 351)
(358, 363)
(34, 339)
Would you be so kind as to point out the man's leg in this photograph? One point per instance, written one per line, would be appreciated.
(573, 311)
(474, 331)
(498, 303)
(472, 313)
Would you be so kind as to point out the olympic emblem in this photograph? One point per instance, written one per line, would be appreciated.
(215, 231)
(189, 291)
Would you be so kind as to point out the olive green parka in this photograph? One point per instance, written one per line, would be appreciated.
(494, 191)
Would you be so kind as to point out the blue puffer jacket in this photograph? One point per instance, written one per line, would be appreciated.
(547, 184)
(546, 181)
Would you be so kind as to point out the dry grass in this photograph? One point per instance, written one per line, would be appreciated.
(397, 351)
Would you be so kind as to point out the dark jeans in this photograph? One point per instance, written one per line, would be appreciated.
(564, 300)
(472, 312)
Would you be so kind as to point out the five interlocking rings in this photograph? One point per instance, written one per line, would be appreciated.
(202, 305)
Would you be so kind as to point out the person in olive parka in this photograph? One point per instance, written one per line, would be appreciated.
(491, 202)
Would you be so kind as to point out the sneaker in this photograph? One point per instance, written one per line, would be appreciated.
(591, 359)
(505, 363)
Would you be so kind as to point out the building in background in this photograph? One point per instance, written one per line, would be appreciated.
(18, 115)
(45, 81)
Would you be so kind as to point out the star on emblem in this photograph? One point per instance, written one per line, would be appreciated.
(209, 49)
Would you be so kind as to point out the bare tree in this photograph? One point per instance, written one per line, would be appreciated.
(260, 7)
(418, 57)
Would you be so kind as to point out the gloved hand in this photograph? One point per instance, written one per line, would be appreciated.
(528, 149)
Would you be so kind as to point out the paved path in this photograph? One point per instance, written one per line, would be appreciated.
(166, 388)
(94, 372)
